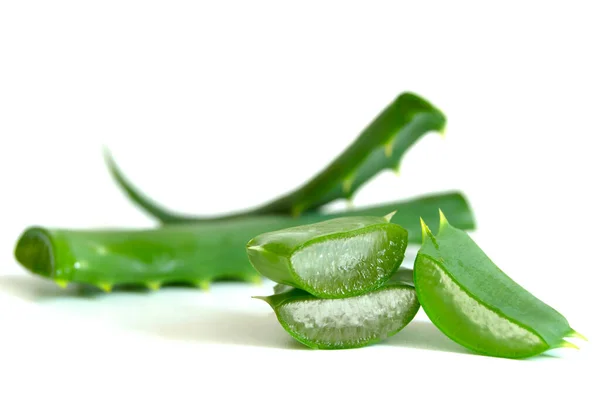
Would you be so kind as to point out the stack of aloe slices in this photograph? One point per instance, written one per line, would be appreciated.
(199, 250)
(340, 285)
(343, 286)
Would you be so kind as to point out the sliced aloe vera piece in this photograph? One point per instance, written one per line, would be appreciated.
(476, 304)
(346, 323)
(341, 257)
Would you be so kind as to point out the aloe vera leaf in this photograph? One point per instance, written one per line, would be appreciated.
(338, 258)
(380, 146)
(195, 253)
(349, 322)
(456, 205)
(476, 304)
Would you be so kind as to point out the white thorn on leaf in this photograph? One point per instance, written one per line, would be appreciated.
(389, 216)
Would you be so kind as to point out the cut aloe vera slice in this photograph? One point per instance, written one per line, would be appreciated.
(338, 258)
(346, 323)
(477, 305)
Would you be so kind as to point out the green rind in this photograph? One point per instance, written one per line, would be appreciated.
(396, 128)
(454, 252)
(292, 294)
(272, 253)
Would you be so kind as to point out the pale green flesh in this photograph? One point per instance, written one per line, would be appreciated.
(350, 322)
(468, 321)
(348, 265)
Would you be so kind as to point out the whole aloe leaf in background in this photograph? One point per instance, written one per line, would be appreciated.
(380, 146)
(194, 253)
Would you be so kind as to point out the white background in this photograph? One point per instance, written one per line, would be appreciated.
(215, 107)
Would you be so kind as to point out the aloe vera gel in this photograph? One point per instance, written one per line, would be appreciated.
(338, 258)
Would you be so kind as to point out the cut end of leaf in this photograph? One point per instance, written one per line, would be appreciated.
(443, 222)
(106, 287)
(389, 216)
(396, 169)
(35, 252)
(61, 283)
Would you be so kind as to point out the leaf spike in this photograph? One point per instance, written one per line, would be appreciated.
(443, 132)
(256, 248)
(574, 334)
(347, 185)
(396, 169)
(104, 286)
(424, 230)
(297, 210)
(389, 216)
(254, 279)
(565, 344)
(388, 149)
(62, 283)
(153, 285)
(266, 299)
(203, 285)
(443, 221)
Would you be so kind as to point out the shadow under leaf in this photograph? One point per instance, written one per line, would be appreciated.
(227, 327)
(34, 288)
(198, 322)
(424, 335)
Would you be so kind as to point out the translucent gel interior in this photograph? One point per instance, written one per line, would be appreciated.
(347, 265)
(350, 321)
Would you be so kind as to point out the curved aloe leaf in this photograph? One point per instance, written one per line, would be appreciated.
(471, 300)
(380, 146)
